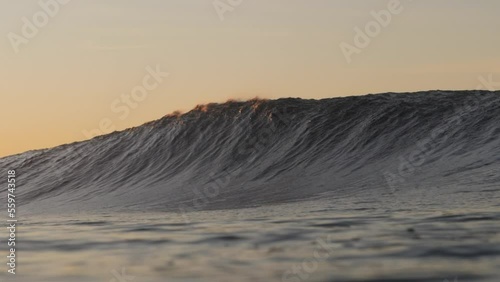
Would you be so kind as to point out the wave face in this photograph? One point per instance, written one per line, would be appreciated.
(243, 154)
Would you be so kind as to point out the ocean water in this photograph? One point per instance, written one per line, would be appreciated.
(389, 187)
(362, 239)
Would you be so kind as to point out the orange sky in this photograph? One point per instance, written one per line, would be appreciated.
(72, 76)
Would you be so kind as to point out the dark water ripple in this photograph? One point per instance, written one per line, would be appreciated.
(407, 244)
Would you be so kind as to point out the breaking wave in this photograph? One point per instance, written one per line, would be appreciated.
(258, 152)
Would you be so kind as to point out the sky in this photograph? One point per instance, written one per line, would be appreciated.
(70, 70)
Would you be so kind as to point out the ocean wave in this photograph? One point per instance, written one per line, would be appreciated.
(257, 152)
